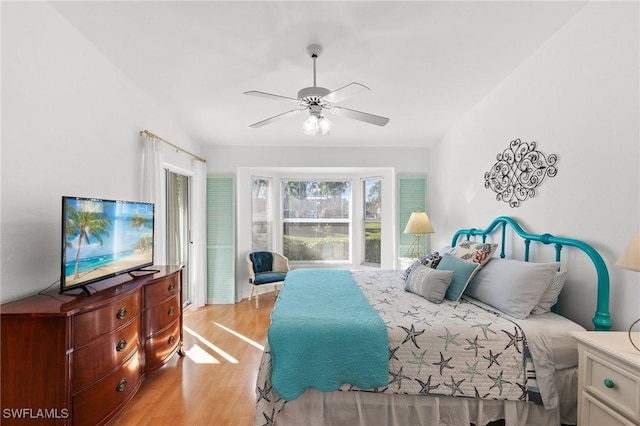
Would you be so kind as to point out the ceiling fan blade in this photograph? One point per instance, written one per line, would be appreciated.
(351, 89)
(270, 96)
(274, 118)
(358, 115)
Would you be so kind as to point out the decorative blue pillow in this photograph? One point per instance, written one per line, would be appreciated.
(463, 271)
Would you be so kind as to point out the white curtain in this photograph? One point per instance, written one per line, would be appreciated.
(199, 234)
(153, 191)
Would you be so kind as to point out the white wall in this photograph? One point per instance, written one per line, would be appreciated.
(243, 161)
(577, 97)
(70, 126)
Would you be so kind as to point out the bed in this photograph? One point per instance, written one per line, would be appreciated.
(463, 336)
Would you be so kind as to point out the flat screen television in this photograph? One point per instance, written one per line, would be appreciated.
(102, 239)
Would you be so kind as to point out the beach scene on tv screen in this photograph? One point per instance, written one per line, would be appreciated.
(104, 238)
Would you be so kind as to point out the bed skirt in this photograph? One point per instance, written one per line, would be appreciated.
(314, 408)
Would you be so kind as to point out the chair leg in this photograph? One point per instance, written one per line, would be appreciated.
(254, 295)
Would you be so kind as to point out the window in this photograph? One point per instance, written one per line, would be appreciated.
(261, 224)
(372, 220)
(316, 220)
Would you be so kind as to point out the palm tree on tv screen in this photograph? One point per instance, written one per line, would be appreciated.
(138, 221)
(82, 224)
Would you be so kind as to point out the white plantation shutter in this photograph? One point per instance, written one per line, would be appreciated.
(412, 196)
(220, 240)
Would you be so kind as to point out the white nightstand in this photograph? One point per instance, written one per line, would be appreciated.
(609, 379)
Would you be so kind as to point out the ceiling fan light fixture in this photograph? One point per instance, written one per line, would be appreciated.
(325, 125)
(313, 124)
(310, 126)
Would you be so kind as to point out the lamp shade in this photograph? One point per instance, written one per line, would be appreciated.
(419, 223)
(630, 259)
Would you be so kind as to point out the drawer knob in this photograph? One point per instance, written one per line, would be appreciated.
(171, 310)
(171, 287)
(609, 383)
(122, 313)
(122, 384)
(121, 345)
(171, 339)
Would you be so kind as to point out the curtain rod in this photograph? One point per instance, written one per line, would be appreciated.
(151, 135)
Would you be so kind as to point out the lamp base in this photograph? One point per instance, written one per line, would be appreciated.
(630, 339)
(417, 248)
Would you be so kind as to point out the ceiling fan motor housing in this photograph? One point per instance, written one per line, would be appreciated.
(313, 95)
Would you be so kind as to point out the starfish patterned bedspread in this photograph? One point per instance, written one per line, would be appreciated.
(453, 349)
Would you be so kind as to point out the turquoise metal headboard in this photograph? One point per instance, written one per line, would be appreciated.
(601, 320)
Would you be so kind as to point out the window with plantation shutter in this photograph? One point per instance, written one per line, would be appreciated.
(220, 240)
(412, 196)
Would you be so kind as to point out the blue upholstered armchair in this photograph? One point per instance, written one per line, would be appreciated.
(266, 268)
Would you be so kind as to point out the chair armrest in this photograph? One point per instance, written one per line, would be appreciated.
(252, 275)
(280, 263)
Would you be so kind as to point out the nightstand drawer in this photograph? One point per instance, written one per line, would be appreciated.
(598, 414)
(613, 385)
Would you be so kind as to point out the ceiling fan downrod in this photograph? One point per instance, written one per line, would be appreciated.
(313, 94)
(314, 50)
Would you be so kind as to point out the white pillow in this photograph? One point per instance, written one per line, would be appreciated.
(428, 282)
(550, 296)
(512, 286)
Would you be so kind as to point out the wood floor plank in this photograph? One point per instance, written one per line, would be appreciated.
(214, 384)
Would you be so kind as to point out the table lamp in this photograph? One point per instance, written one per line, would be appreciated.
(418, 225)
(630, 260)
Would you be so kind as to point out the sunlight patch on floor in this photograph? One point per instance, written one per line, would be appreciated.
(200, 356)
(211, 345)
(240, 336)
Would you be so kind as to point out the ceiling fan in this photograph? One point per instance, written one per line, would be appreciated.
(316, 99)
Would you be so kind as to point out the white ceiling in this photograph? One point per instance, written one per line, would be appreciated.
(427, 62)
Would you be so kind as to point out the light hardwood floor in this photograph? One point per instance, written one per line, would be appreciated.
(214, 384)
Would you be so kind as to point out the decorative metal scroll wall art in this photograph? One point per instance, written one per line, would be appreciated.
(519, 171)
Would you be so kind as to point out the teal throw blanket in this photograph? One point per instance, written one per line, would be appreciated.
(324, 333)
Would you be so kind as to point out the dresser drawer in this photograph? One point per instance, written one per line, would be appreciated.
(615, 386)
(162, 290)
(88, 325)
(102, 355)
(162, 345)
(159, 316)
(598, 414)
(107, 396)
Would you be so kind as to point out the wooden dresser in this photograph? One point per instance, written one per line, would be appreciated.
(77, 359)
(609, 379)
